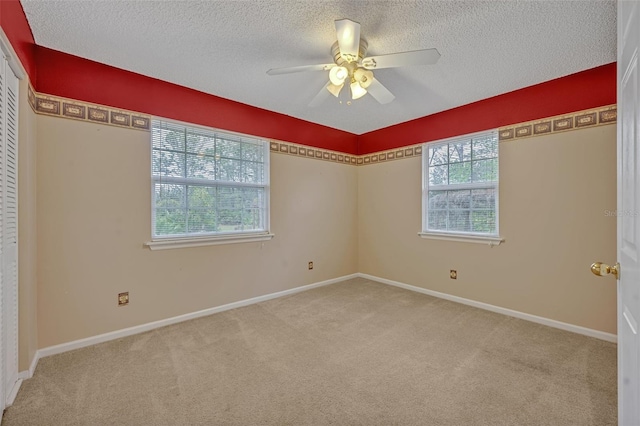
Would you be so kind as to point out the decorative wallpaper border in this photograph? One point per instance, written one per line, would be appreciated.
(339, 157)
(75, 110)
(560, 123)
(82, 111)
(391, 154)
(311, 152)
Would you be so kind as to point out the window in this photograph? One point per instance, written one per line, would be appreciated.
(460, 186)
(207, 183)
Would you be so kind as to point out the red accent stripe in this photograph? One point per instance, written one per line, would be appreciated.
(15, 26)
(587, 89)
(73, 77)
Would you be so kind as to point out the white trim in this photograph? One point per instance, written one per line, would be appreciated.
(504, 311)
(467, 238)
(13, 393)
(12, 57)
(27, 374)
(22, 376)
(77, 344)
(206, 241)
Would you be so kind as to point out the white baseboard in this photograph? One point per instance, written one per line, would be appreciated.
(528, 317)
(34, 364)
(23, 375)
(14, 392)
(77, 344)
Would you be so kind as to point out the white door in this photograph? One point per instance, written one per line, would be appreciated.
(628, 213)
(8, 235)
(3, 322)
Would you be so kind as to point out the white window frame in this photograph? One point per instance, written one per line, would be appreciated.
(160, 242)
(490, 239)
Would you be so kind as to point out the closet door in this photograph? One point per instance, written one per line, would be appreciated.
(8, 234)
(10, 237)
(3, 292)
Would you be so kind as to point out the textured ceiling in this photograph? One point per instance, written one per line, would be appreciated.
(226, 47)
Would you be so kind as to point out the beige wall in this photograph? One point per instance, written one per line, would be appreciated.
(27, 247)
(554, 191)
(93, 218)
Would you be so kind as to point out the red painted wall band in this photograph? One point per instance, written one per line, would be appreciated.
(73, 77)
(15, 26)
(587, 89)
(77, 78)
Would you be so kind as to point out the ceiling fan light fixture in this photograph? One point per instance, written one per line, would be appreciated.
(348, 33)
(338, 75)
(363, 77)
(352, 65)
(357, 91)
(335, 89)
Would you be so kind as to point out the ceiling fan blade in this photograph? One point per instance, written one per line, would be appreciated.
(402, 59)
(348, 33)
(301, 68)
(379, 92)
(321, 96)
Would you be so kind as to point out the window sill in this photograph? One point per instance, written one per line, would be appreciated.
(175, 243)
(479, 239)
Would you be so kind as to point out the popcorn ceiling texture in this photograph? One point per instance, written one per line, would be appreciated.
(225, 48)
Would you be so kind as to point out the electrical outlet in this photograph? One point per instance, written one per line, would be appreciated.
(123, 298)
(453, 274)
(310, 265)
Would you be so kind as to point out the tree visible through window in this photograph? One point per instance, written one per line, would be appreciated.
(207, 182)
(460, 185)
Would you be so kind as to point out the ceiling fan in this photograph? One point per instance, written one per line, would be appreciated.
(351, 67)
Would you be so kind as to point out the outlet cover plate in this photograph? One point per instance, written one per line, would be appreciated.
(123, 298)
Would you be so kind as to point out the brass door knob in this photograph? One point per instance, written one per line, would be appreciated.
(602, 269)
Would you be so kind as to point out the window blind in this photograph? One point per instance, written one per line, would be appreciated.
(460, 185)
(207, 182)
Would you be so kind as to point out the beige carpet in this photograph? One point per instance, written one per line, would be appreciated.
(352, 353)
